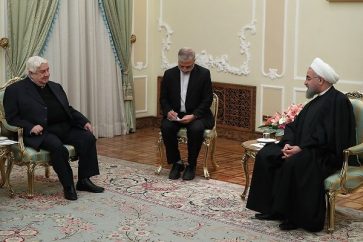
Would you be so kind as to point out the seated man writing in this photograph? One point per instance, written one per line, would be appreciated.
(41, 108)
(288, 177)
(185, 98)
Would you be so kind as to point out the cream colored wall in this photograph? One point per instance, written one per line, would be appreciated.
(281, 40)
(2, 34)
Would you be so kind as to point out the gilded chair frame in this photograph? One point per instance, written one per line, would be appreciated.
(338, 182)
(22, 155)
(209, 142)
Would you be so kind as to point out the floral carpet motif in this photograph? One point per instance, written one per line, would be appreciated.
(141, 206)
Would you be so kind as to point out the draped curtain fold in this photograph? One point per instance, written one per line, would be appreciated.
(118, 17)
(30, 22)
(81, 59)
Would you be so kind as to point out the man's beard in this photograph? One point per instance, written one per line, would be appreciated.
(310, 93)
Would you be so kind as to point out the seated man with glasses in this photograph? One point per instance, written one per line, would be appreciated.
(288, 177)
(185, 98)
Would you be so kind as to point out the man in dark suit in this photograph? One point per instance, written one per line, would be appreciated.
(185, 97)
(41, 108)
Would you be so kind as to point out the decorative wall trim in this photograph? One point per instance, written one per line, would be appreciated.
(296, 52)
(261, 99)
(221, 64)
(296, 44)
(136, 78)
(295, 91)
(273, 72)
(140, 65)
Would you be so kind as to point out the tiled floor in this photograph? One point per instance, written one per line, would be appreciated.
(142, 147)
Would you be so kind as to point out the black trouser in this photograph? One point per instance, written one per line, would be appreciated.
(195, 131)
(85, 144)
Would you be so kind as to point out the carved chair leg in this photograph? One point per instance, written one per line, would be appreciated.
(9, 168)
(331, 210)
(213, 149)
(47, 171)
(161, 155)
(31, 169)
(205, 163)
(2, 169)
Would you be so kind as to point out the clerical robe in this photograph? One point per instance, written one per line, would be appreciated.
(294, 187)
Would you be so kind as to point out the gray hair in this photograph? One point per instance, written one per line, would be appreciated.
(34, 63)
(186, 54)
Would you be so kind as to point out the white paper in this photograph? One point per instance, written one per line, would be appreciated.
(8, 142)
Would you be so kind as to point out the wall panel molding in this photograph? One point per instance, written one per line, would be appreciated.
(264, 87)
(296, 50)
(274, 73)
(144, 95)
(297, 90)
(141, 64)
(221, 63)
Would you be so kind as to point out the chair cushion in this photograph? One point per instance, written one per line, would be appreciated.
(208, 133)
(37, 156)
(354, 179)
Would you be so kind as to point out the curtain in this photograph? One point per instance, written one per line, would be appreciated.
(118, 18)
(29, 24)
(81, 59)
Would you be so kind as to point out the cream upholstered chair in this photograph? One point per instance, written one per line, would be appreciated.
(349, 178)
(209, 142)
(22, 155)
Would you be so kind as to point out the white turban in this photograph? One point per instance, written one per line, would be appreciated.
(324, 70)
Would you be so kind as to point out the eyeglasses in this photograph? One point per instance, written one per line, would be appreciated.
(308, 78)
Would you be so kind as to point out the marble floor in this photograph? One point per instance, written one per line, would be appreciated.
(142, 147)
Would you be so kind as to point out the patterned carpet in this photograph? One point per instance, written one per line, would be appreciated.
(140, 206)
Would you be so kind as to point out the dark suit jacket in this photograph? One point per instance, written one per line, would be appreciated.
(199, 93)
(25, 108)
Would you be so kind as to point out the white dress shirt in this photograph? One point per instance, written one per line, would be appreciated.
(184, 81)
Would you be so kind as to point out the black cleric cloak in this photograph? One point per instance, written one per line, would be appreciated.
(294, 187)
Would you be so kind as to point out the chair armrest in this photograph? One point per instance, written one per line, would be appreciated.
(17, 130)
(10, 127)
(354, 150)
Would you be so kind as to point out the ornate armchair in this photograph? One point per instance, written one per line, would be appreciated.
(349, 178)
(22, 155)
(210, 136)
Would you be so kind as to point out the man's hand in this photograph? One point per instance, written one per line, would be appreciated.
(88, 127)
(290, 150)
(172, 116)
(187, 119)
(37, 130)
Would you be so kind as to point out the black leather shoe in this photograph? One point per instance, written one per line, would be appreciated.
(70, 193)
(189, 173)
(87, 185)
(287, 225)
(175, 171)
(267, 216)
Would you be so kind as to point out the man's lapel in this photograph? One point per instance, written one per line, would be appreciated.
(33, 92)
(191, 82)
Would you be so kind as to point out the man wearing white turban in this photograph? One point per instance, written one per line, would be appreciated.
(288, 177)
